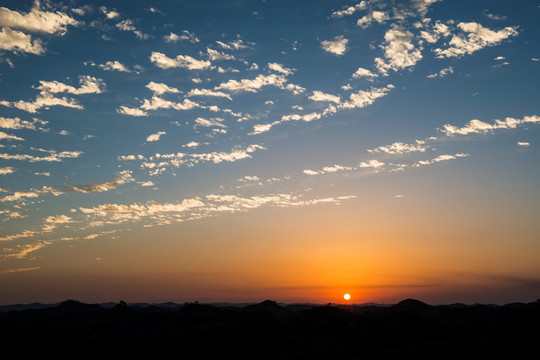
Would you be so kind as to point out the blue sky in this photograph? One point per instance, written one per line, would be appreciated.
(122, 119)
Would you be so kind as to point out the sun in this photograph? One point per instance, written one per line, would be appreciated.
(347, 297)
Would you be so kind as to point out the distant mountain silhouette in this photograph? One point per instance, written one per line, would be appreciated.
(268, 306)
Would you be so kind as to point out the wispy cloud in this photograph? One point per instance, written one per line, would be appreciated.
(162, 61)
(156, 136)
(401, 148)
(184, 36)
(481, 127)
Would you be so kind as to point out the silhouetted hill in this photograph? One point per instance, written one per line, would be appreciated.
(410, 329)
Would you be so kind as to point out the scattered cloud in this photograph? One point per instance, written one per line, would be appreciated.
(280, 69)
(156, 136)
(401, 148)
(4, 136)
(338, 46)
(361, 72)
(114, 66)
(371, 164)
(19, 42)
(523, 143)
(399, 51)
(442, 73)
(480, 127)
(374, 16)
(181, 61)
(7, 170)
(131, 111)
(475, 37)
(253, 85)
(362, 5)
(320, 96)
(207, 92)
(184, 36)
(439, 158)
(37, 20)
(160, 88)
(53, 156)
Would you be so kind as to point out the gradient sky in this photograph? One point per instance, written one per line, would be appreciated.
(286, 150)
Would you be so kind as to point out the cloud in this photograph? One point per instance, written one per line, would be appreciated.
(52, 157)
(235, 44)
(320, 96)
(364, 98)
(43, 100)
(215, 122)
(477, 37)
(481, 127)
(191, 144)
(493, 16)
(362, 5)
(156, 136)
(423, 5)
(253, 85)
(439, 158)
(24, 234)
(399, 51)
(10, 271)
(184, 36)
(147, 183)
(110, 14)
(437, 31)
(60, 219)
(160, 88)
(4, 136)
(361, 72)
(37, 20)
(207, 92)
(520, 143)
(158, 103)
(114, 66)
(119, 179)
(218, 55)
(22, 251)
(442, 73)
(371, 164)
(16, 41)
(7, 170)
(88, 85)
(280, 69)
(401, 148)
(131, 111)
(377, 16)
(181, 61)
(338, 46)
(127, 25)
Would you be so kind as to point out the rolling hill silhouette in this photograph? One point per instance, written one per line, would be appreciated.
(410, 329)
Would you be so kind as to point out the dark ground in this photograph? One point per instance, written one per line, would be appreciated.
(408, 330)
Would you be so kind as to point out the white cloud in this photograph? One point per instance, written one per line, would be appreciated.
(364, 98)
(437, 31)
(493, 16)
(160, 88)
(184, 36)
(110, 14)
(377, 16)
(16, 41)
(320, 96)
(234, 45)
(255, 84)
(399, 51)
(362, 5)
(337, 46)
(215, 122)
(499, 58)
(439, 158)
(5, 136)
(191, 144)
(181, 61)
(480, 127)
(131, 111)
(88, 85)
(371, 164)
(261, 128)
(423, 5)
(401, 148)
(43, 100)
(156, 136)
(37, 20)
(280, 69)
(6, 170)
(60, 219)
(361, 72)
(442, 73)
(207, 92)
(218, 55)
(478, 37)
(114, 66)
(147, 183)
(523, 143)
(310, 172)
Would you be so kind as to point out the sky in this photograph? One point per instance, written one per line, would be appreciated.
(237, 151)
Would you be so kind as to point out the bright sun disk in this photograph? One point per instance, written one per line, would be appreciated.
(347, 297)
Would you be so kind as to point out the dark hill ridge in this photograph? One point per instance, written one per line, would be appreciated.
(410, 329)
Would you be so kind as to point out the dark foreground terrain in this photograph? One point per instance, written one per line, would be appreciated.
(408, 330)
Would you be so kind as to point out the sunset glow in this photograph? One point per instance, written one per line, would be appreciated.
(237, 151)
